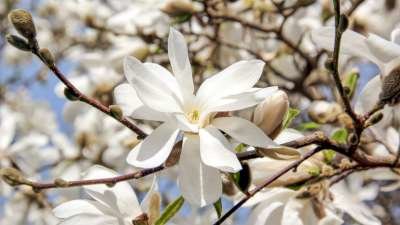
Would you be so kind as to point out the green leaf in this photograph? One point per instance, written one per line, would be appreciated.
(314, 171)
(329, 155)
(218, 207)
(308, 126)
(240, 147)
(340, 136)
(290, 115)
(351, 82)
(170, 211)
(295, 187)
(182, 18)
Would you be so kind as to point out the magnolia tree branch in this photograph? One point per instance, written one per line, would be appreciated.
(88, 100)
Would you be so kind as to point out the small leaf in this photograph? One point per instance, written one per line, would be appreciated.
(218, 207)
(329, 155)
(314, 171)
(351, 82)
(290, 115)
(295, 187)
(182, 18)
(340, 136)
(170, 211)
(308, 126)
(240, 147)
(242, 178)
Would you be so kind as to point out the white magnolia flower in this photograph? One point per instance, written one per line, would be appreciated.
(111, 205)
(281, 206)
(153, 93)
(385, 54)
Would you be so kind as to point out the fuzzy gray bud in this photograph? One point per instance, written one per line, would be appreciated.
(47, 56)
(70, 95)
(13, 177)
(116, 111)
(23, 23)
(391, 88)
(18, 42)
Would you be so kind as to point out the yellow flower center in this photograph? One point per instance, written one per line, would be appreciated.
(193, 116)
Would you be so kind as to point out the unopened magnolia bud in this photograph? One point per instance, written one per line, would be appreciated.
(179, 7)
(324, 112)
(61, 182)
(23, 23)
(142, 219)
(374, 119)
(70, 95)
(391, 88)
(270, 113)
(47, 56)
(13, 177)
(18, 42)
(116, 111)
(343, 23)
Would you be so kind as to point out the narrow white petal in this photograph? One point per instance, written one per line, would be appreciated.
(369, 96)
(178, 56)
(200, 184)
(215, 150)
(92, 219)
(126, 97)
(244, 131)
(352, 43)
(75, 207)
(155, 149)
(152, 87)
(7, 127)
(270, 213)
(383, 49)
(120, 197)
(235, 79)
(395, 36)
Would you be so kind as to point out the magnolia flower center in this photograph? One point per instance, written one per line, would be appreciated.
(193, 116)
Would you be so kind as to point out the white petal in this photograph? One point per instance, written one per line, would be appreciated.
(152, 87)
(352, 43)
(200, 184)
(92, 219)
(145, 204)
(369, 96)
(120, 197)
(75, 207)
(155, 149)
(215, 150)
(330, 219)
(131, 105)
(235, 79)
(244, 131)
(395, 36)
(178, 56)
(266, 214)
(7, 127)
(241, 101)
(383, 50)
(271, 195)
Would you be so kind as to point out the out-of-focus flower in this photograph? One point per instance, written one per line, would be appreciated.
(153, 93)
(111, 205)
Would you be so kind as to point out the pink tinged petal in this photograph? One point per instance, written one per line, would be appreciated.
(352, 43)
(121, 197)
(235, 79)
(126, 98)
(155, 149)
(152, 87)
(244, 131)
(76, 207)
(92, 219)
(178, 56)
(215, 150)
(200, 184)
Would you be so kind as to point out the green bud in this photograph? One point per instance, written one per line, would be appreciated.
(18, 42)
(70, 95)
(23, 23)
(116, 111)
(47, 56)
